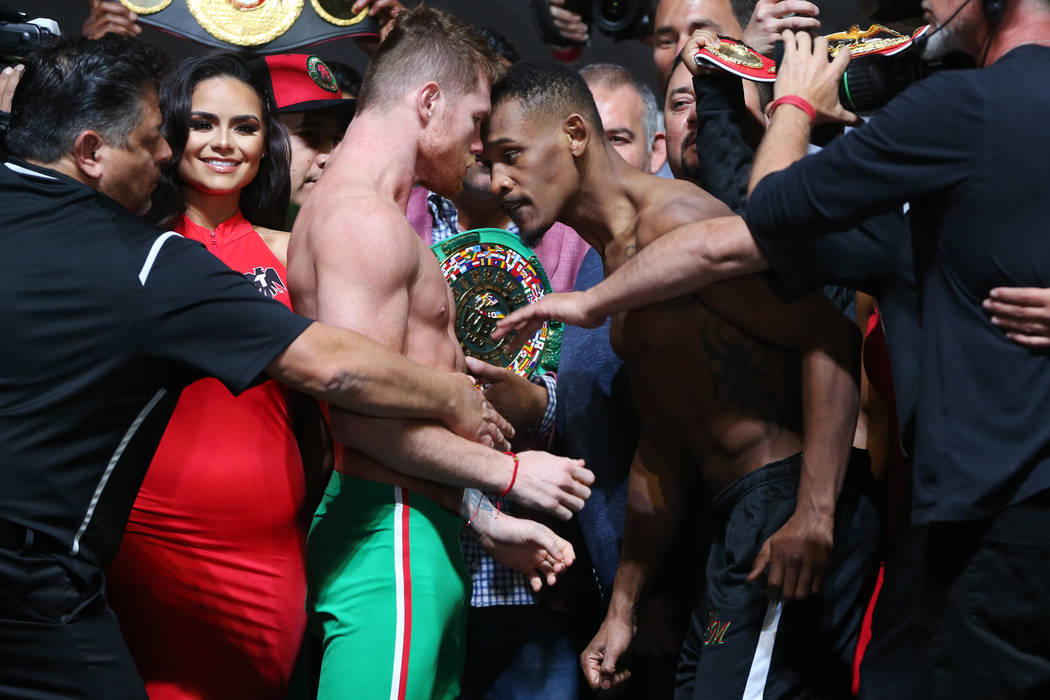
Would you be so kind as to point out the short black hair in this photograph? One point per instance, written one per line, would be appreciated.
(73, 85)
(500, 45)
(264, 201)
(550, 87)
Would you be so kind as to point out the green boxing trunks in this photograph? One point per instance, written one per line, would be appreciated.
(388, 589)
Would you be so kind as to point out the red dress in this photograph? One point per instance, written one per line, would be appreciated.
(209, 584)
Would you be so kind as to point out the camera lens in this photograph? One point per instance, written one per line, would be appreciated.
(613, 11)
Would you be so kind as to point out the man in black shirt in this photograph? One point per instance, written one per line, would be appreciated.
(106, 319)
(960, 147)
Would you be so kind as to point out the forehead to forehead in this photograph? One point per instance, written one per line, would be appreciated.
(509, 115)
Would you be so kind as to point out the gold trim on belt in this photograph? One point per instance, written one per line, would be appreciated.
(245, 22)
(338, 12)
(145, 7)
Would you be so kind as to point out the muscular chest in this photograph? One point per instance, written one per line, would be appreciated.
(431, 303)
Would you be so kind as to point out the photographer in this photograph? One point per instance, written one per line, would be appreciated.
(959, 147)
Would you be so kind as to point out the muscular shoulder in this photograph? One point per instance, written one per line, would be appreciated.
(363, 241)
(674, 203)
(364, 224)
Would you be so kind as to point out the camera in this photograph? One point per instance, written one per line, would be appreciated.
(619, 19)
(19, 35)
(871, 81)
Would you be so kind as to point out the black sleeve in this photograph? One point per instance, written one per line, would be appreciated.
(925, 140)
(197, 311)
(725, 155)
(861, 257)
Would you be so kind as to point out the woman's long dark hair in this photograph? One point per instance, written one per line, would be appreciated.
(264, 201)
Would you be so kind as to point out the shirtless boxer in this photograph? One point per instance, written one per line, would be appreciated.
(385, 571)
(719, 407)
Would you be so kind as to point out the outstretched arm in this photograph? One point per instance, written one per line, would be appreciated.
(557, 485)
(656, 497)
(354, 373)
(684, 260)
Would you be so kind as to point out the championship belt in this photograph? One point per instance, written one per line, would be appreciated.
(876, 39)
(265, 26)
(739, 59)
(491, 273)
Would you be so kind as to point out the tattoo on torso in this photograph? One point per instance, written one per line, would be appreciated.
(738, 367)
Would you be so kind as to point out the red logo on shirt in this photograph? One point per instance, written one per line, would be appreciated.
(267, 281)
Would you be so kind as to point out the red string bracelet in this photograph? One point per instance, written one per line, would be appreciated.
(476, 509)
(795, 101)
(513, 478)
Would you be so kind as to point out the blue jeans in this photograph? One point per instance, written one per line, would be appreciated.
(520, 652)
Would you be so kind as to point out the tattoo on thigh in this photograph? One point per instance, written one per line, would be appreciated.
(738, 368)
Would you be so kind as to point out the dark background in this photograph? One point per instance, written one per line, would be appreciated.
(509, 17)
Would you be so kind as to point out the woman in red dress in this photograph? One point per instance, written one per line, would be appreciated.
(209, 584)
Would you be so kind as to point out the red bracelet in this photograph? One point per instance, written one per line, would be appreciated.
(795, 101)
(476, 509)
(513, 478)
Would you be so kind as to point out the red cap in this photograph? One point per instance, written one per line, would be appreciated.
(299, 82)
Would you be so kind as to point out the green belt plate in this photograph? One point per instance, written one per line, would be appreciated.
(491, 273)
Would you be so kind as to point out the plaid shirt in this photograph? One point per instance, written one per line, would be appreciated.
(494, 584)
(446, 218)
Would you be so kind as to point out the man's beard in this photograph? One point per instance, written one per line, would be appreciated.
(443, 167)
(444, 179)
(530, 235)
(942, 41)
(689, 163)
(532, 238)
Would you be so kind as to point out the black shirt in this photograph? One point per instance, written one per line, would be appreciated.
(967, 149)
(875, 257)
(107, 318)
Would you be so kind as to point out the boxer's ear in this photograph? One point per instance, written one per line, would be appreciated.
(577, 132)
(86, 153)
(427, 97)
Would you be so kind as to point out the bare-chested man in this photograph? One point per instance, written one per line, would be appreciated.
(718, 406)
(385, 569)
